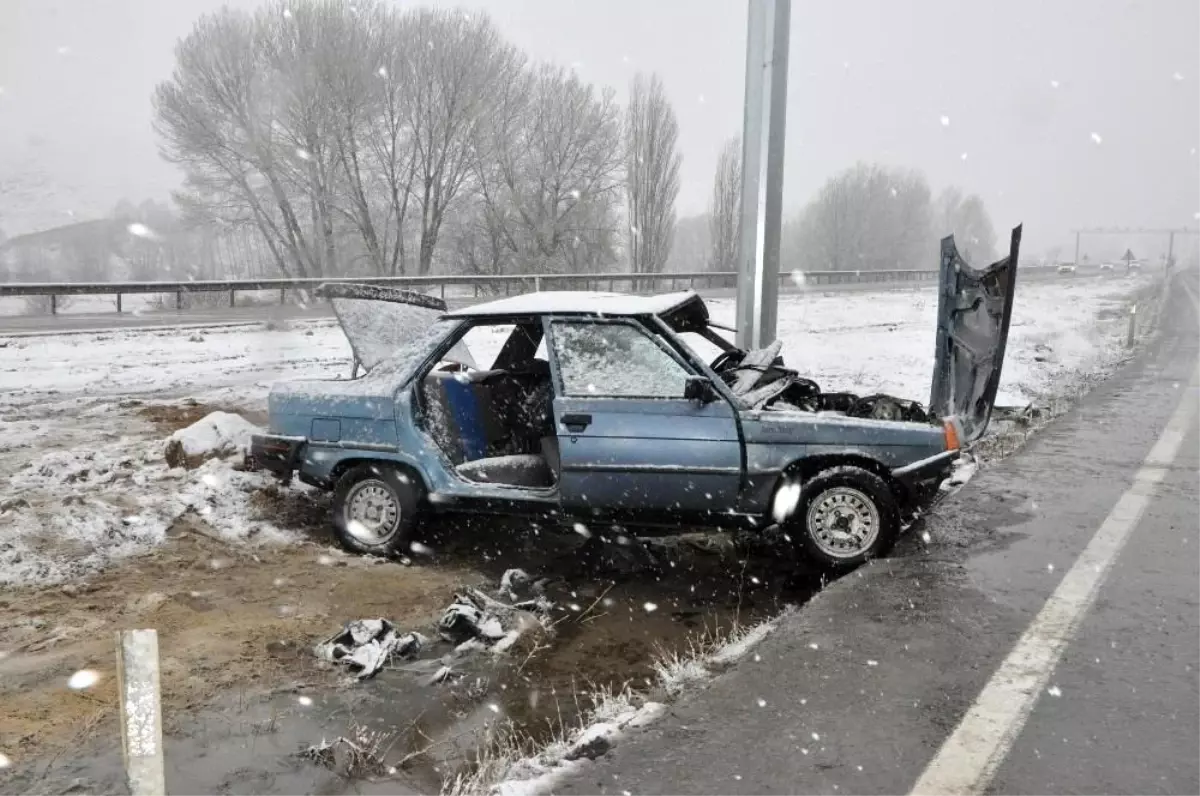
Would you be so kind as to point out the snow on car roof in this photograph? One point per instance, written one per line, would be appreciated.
(577, 302)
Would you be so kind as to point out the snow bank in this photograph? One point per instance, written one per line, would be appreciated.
(215, 434)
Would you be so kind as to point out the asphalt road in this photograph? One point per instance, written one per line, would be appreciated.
(67, 322)
(860, 691)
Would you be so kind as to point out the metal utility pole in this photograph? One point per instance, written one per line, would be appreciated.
(763, 127)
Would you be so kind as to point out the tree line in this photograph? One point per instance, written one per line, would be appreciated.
(867, 217)
(357, 137)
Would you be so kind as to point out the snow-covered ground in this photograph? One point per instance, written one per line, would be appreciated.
(84, 480)
(868, 342)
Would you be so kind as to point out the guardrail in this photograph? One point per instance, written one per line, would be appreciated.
(506, 284)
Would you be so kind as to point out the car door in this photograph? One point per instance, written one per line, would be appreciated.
(974, 310)
(629, 441)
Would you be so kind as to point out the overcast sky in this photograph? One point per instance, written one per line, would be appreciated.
(1062, 113)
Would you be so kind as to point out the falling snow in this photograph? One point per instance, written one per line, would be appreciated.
(83, 679)
(1097, 139)
(945, 121)
(1054, 691)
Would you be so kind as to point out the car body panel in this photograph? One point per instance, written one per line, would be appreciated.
(974, 311)
(656, 454)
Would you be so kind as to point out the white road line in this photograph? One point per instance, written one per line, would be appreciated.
(970, 756)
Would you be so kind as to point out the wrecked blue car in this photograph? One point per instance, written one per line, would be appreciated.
(599, 408)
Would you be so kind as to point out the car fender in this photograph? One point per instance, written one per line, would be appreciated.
(764, 485)
(323, 465)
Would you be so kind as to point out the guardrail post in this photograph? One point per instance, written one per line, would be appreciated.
(53, 304)
(231, 299)
(443, 290)
(118, 303)
(138, 689)
(179, 299)
(282, 296)
(537, 284)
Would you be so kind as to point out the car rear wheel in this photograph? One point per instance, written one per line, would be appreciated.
(375, 509)
(846, 515)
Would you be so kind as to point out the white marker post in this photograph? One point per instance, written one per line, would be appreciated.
(141, 711)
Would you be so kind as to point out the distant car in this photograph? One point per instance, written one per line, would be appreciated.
(593, 408)
(1134, 265)
(1066, 268)
(1106, 266)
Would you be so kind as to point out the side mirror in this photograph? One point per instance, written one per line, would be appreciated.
(699, 389)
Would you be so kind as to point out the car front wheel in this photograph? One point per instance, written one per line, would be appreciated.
(846, 515)
(375, 509)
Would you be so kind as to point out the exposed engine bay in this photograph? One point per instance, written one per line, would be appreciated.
(760, 380)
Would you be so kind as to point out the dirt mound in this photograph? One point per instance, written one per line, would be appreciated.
(217, 434)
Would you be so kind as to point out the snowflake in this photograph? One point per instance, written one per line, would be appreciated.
(83, 679)
(945, 121)
(1054, 691)
(650, 607)
(762, 703)
(1097, 139)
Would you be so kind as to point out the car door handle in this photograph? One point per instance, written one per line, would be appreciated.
(576, 423)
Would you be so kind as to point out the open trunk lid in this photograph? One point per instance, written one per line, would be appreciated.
(974, 310)
(381, 322)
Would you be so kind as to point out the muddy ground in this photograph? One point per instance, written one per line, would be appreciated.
(243, 693)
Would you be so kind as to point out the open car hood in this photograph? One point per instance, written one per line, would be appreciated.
(974, 309)
(381, 322)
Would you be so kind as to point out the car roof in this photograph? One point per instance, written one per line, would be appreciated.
(577, 302)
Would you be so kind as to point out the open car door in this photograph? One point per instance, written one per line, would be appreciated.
(974, 310)
(381, 321)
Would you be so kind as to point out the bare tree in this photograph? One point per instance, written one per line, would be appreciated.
(457, 64)
(651, 174)
(868, 217)
(547, 168)
(216, 118)
(967, 220)
(725, 213)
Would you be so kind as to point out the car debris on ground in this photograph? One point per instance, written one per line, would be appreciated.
(473, 621)
(366, 645)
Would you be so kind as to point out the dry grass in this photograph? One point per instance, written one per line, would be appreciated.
(511, 754)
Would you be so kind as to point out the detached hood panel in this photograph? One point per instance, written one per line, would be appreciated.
(974, 310)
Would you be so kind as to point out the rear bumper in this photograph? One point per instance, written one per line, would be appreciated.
(274, 453)
(921, 479)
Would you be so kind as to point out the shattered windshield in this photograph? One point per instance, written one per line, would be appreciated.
(514, 397)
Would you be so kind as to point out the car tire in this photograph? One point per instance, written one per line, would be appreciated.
(375, 509)
(845, 516)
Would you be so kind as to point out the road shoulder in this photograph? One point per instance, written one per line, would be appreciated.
(862, 686)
